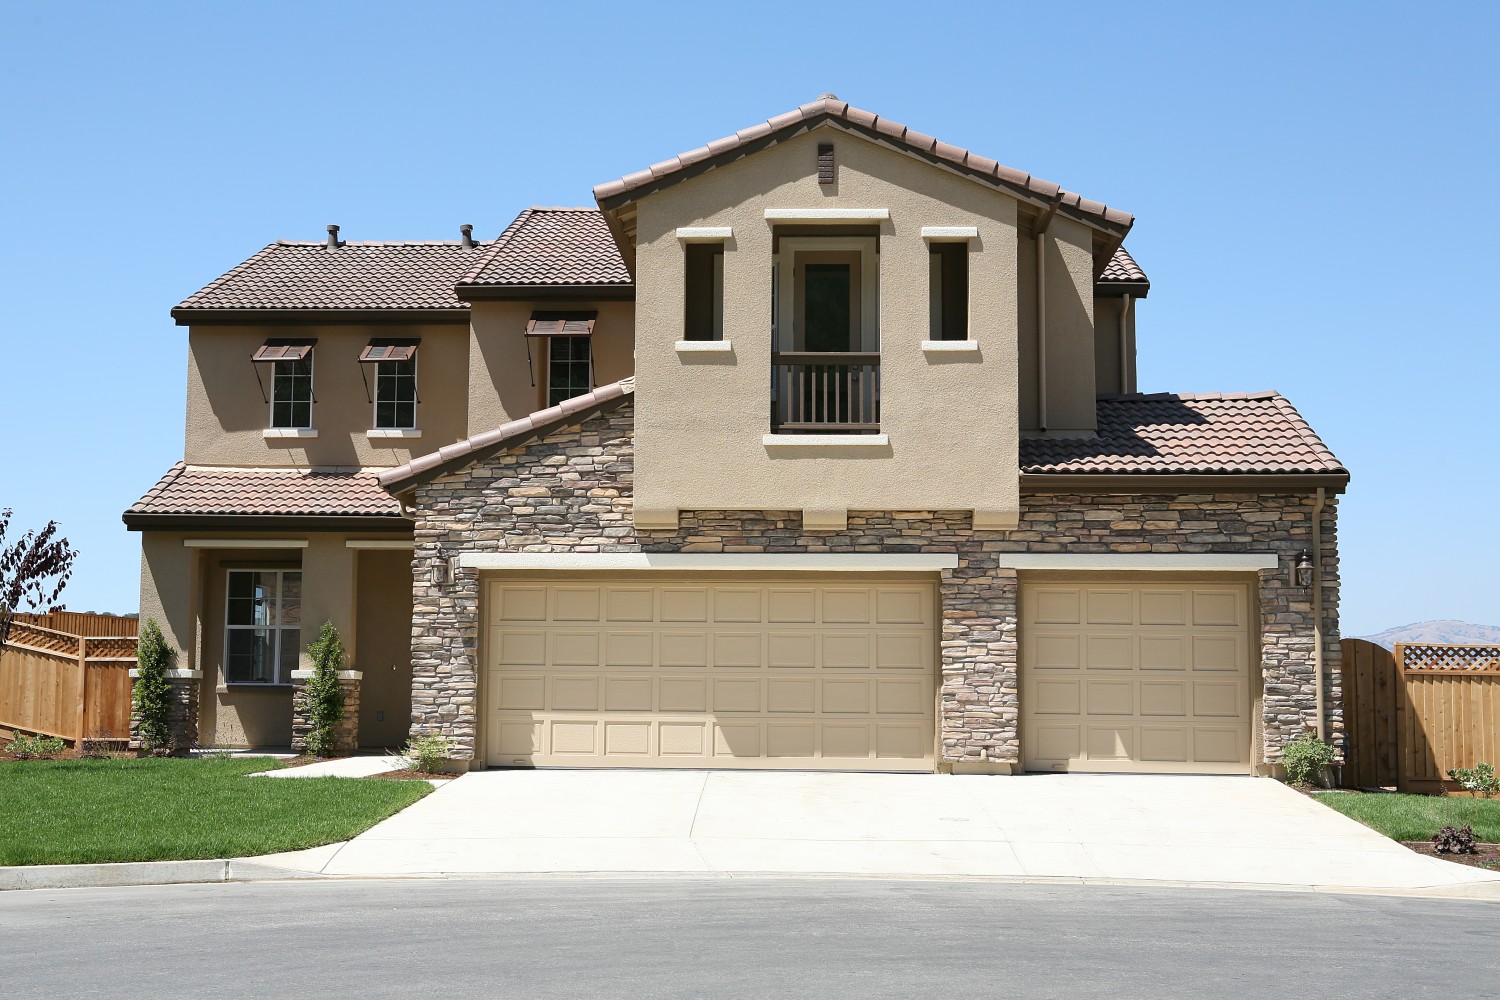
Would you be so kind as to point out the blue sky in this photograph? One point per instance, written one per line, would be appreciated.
(1313, 185)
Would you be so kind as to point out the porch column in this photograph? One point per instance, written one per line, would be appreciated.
(328, 594)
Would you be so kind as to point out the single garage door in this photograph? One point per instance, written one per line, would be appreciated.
(628, 672)
(1139, 678)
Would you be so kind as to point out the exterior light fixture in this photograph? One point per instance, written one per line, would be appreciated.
(440, 572)
(1304, 570)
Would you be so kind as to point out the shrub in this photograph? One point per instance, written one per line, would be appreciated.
(427, 753)
(1305, 758)
(151, 697)
(35, 747)
(324, 698)
(1479, 779)
(1451, 841)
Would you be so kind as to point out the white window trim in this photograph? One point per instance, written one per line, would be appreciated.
(273, 433)
(705, 234)
(704, 346)
(312, 401)
(393, 432)
(827, 214)
(375, 427)
(951, 346)
(826, 440)
(950, 234)
(278, 628)
(547, 371)
(869, 288)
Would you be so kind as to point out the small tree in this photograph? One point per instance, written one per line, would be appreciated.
(324, 698)
(151, 698)
(33, 570)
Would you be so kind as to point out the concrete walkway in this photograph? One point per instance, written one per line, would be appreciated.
(1116, 828)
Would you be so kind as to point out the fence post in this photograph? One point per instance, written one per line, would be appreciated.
(83, 690)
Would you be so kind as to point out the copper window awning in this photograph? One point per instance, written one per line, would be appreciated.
(283, 350)
(561, 324)
(387, 349)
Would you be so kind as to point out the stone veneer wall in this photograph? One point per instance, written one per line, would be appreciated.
(572, 493)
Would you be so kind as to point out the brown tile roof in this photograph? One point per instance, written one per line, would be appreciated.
(480, 446)
(830, 109)
(1208, 434)
(1122, 269)
(551, 246)
(289, 275)
(203, 492)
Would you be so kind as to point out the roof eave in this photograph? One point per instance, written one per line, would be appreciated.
(1136, 289)
(140, 521)
(1118, 482)
(190, 316)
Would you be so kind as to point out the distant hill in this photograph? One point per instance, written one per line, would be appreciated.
(1438, 631)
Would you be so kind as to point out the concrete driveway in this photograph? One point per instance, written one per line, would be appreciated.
(1202, 830)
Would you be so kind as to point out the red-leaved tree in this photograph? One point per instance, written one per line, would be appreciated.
(33, 571)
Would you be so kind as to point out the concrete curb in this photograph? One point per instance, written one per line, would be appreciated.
(144, 873)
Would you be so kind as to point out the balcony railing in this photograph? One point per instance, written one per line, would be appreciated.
(825, 393)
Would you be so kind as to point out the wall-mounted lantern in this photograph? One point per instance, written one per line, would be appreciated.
(1304, 570)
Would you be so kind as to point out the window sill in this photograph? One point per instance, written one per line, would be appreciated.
(950, 346)
(377, 433)
(826, 440)
(704, 346)
(344, 675)
(274, 433)
(239, 686)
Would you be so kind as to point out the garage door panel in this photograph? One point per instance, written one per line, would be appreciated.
(1146, 678)
(741, 674)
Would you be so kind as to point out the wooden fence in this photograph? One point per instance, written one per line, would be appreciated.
(70, 682)
(1413, 714)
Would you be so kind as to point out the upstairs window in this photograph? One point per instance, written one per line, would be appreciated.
(262, 626)
(291, 393)
(703, 317)
(396, 399)
(948, 285)
(568, 368)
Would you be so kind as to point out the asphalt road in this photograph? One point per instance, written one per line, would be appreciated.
(681, 938)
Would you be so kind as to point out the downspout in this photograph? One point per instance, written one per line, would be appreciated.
(1317, 561)
(1041, 327)
(1125, 385)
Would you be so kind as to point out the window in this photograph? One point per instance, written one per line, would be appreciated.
(262, 626)
(291, 392)
(704, 313)
(396, 394)
(569, 363)
(948, 313)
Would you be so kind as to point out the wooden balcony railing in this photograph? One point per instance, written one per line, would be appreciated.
(825, 393)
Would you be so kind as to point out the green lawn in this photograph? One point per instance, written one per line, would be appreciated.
(1417, 817)
(155, 809)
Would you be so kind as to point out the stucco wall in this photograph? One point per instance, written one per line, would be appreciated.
(501, 381)
(226, 413)
(702, 417)
(573, 493)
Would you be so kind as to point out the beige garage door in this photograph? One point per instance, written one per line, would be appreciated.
(1142, 678)
(766, 674)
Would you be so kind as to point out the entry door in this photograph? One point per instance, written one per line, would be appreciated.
(1136, 678)
(828, 302)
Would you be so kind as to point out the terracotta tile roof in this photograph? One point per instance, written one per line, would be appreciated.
(306, 275)
(551, 246)
(194, 491)
(456, 456)
(1123, 268)
(1209, 434)
(828, 108)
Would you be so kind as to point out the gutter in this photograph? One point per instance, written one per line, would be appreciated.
(1105, 482)
(1317, 561)
(266, 522)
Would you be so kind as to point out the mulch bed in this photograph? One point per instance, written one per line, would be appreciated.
(1486, 856)
(405, 775)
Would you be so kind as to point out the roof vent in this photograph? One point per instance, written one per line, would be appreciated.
(828, 95)
(333, 237)
(468, 236)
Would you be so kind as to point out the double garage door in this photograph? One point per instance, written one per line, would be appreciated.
(1136, 678)
(742, 673)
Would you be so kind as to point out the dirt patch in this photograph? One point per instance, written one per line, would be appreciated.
(1486, 856)
(405, 775)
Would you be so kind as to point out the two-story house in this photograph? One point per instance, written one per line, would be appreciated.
(819, 446)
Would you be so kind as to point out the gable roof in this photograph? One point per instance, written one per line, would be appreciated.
(829, 110)
(188, 493)
(551, 249)
(508, 435)
(1165, 433)
(299, 276)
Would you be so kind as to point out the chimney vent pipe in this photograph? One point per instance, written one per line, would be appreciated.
(333, 237)
(468, 236)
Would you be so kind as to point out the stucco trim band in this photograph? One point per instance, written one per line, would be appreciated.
(703, 346)
(1201, 562)
(883, 562)
(380, 543)
(827, 214)
(953, 233)
(826, 440)
(344, 675)
(393, 432)
(704, 234)
(245, 543)
(271, 433)
(175, 675)
(951, 346)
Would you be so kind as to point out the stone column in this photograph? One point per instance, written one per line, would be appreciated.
(346, 733)
(182, 723)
